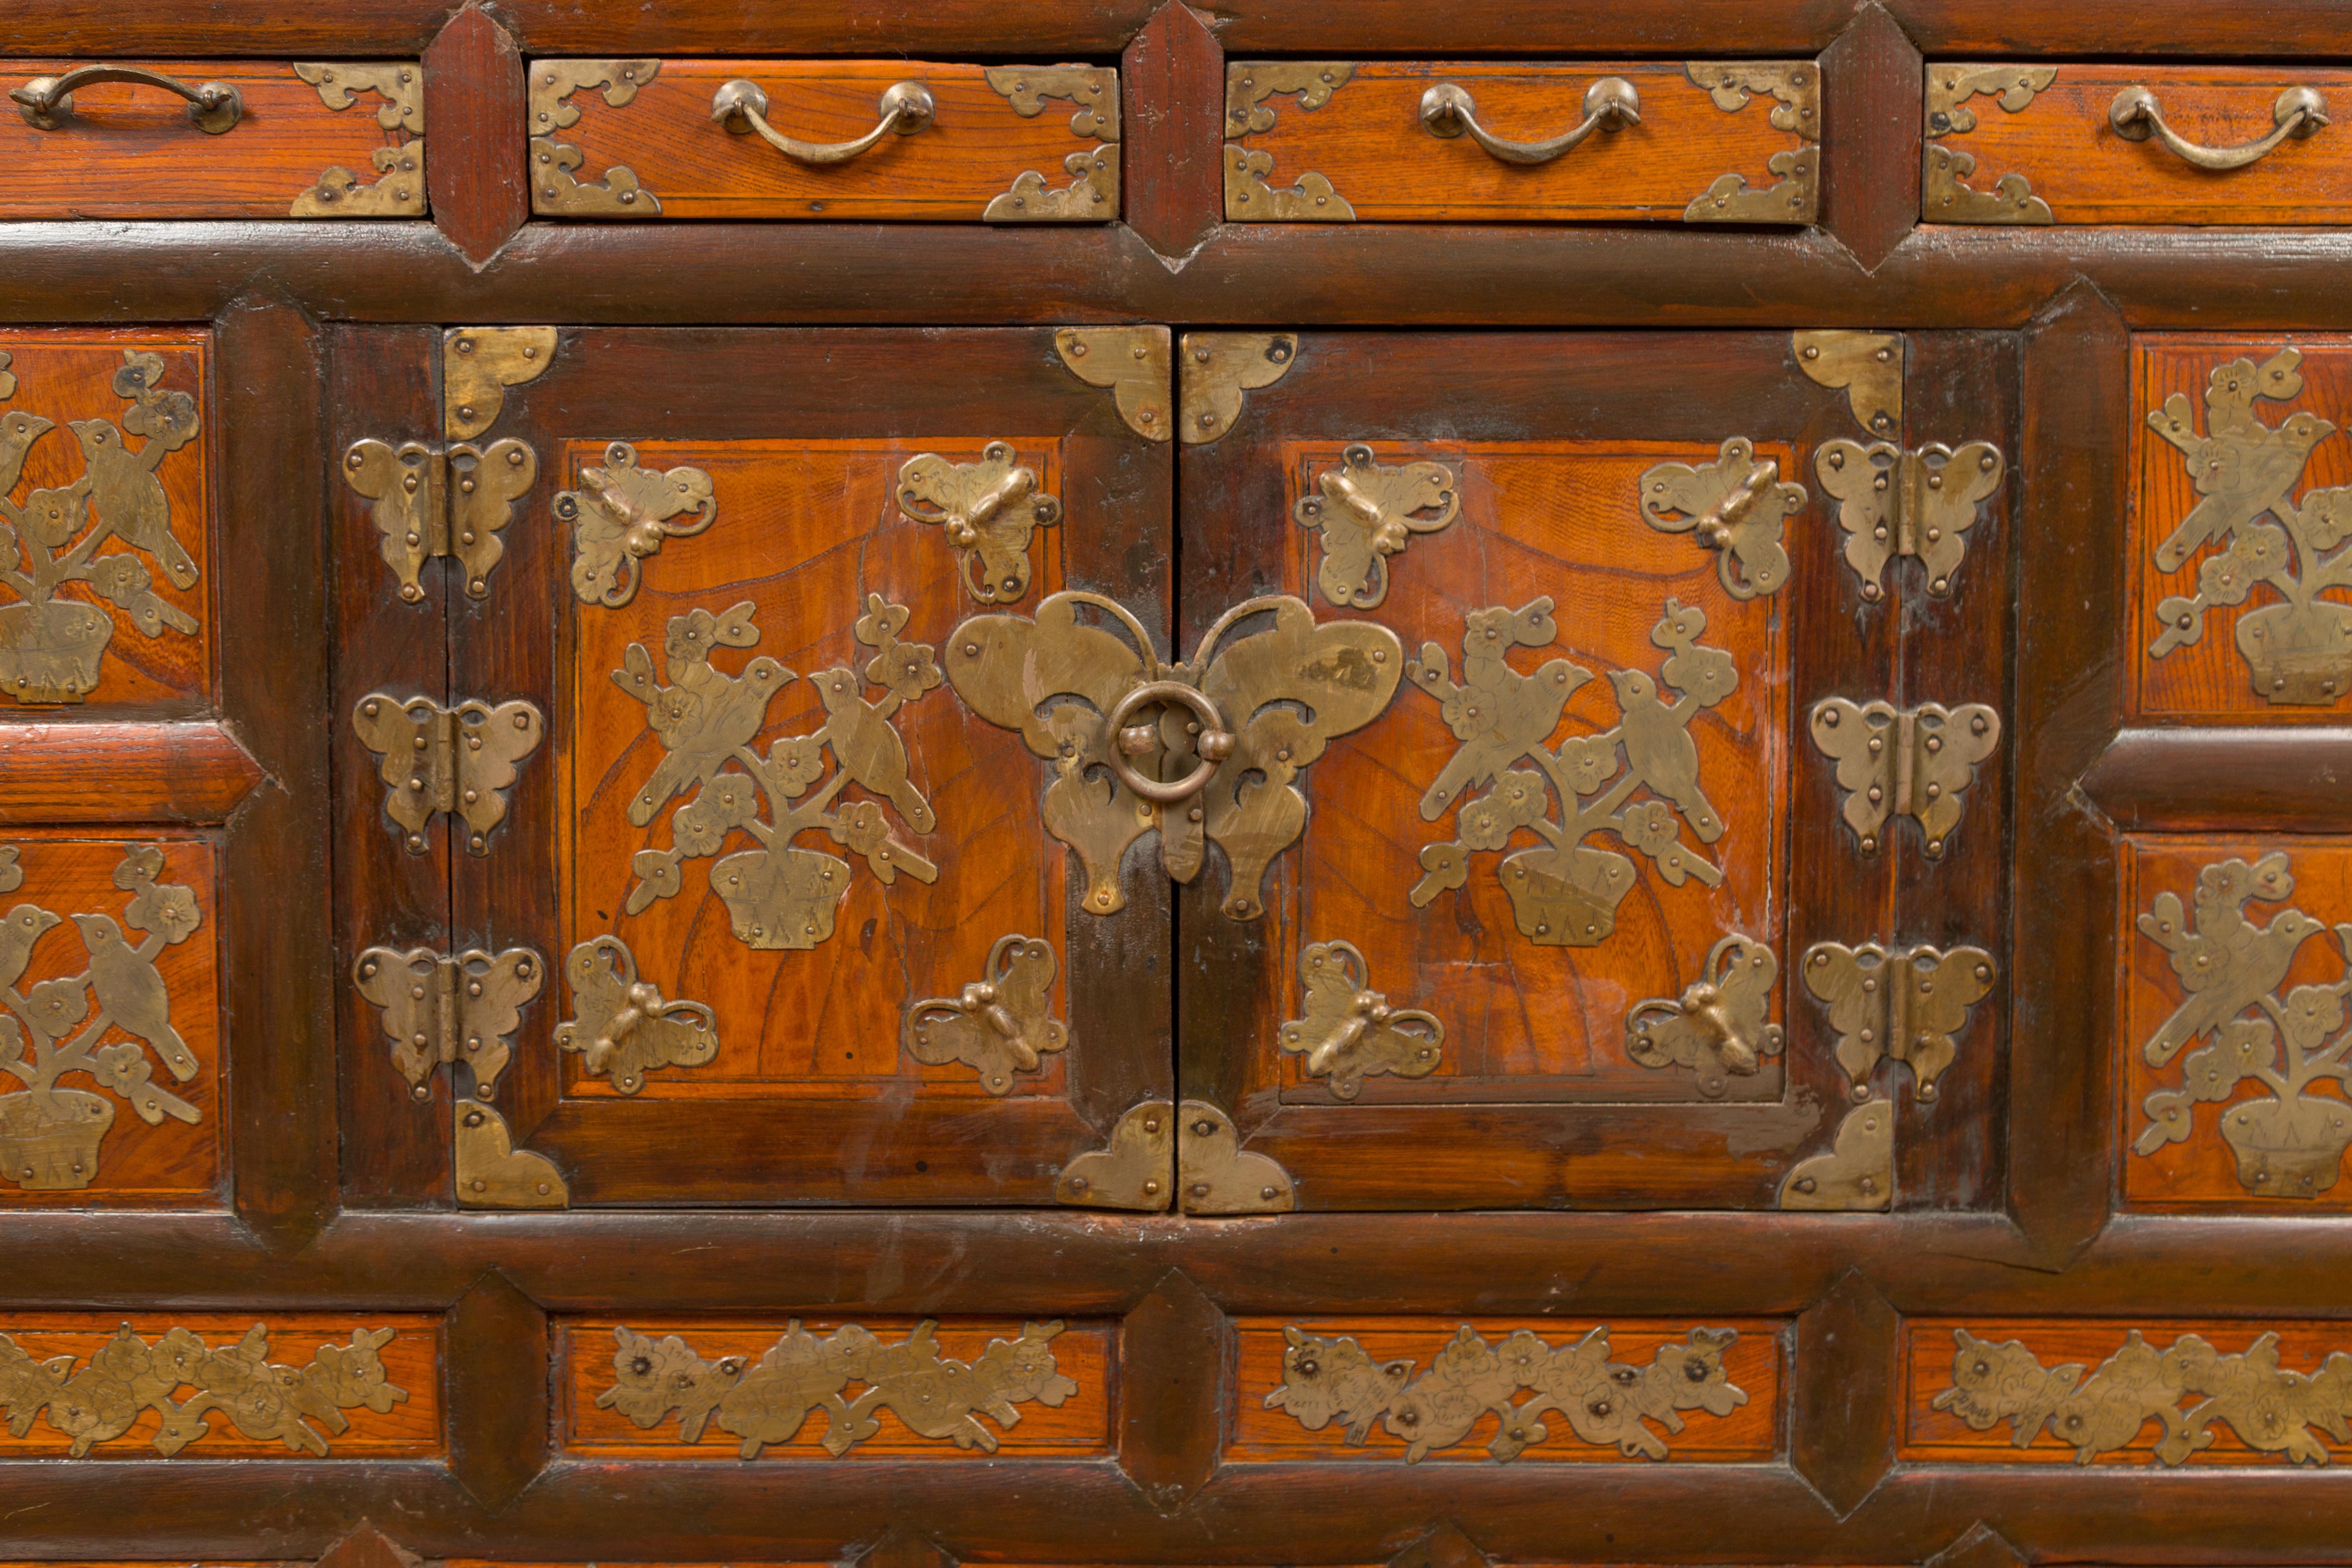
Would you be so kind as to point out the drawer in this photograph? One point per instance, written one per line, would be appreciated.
(1400, 142)
(2161, 145)
(910, 140)
(214, 139)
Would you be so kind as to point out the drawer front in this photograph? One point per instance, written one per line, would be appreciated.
(2162, 144)
(1404, 142)
(308, 139)
(940, 143)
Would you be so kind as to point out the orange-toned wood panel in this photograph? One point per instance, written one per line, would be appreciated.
(1525, 1020)
(805, 531)
(129, 151)
(2247, 1109)
(1443, 1383)
(2238, 1392)
(52, 773)
(113, 1386)
(2064, 147)
(111, 1040)
(2254, 620)
(974, 149)
(1368, 141)
(106, 506)
(807, 1389)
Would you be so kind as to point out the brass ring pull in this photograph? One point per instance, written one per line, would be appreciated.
(1610, 104)
(46, 101)
(2135, 114)
(741, 106)
(1214, 745)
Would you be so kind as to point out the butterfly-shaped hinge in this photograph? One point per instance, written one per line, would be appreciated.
(1718, 1027)
(622, 1028)
(999, 1025)
(458, 760)
(1908, 761)
(1350, 1031)
(440, 1011)
(432, 501)
(1736, 506)
(620, 515)
(1894, 502)
(1902, 1003)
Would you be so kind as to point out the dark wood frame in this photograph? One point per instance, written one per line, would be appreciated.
(279, 292)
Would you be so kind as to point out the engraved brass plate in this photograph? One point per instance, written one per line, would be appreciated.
(767, 1400)
(1133, 1170)
(440, 1011)
(49, 1135)
(1736, 506)
(624, 1028)
(461, 760)
(1606, 1403)
(1566, 892)
(1911, 762)
(620, 516)
(1944, 195)
(777, 894)
(1903, 1006)
(1367, 512)
(1719, 1027)
(1000, 1024)
(1350, 1031)
(987, 510)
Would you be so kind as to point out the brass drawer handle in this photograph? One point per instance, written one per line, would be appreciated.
(1610, 104)
(2135, 114)
(1214, 742)
(46, 101)
(741, 106)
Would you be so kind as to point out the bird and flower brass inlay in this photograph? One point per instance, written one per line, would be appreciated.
(1280, 693)
(1606, 1402)
(620, 515)
(1736, 506)
(988, 510)
(49, 1136)
(777, 894)
(50, 648)
(1566, 892)
(2268, 1408)
(767, 1400)
(126, 1377)
(1350, 1031)
(2289, 1142)
(1719, 1027)
(998, 1026)
(624, 1029)
(2298, 651)
(1367, 512)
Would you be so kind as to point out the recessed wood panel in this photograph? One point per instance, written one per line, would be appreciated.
(129, 150)
(106, 444)
(2064, 146)
(241, 1386)
(89, 935)
(2256, 620)
(2177, 1392)
(1461, 1387)
(882, 1387)
(973, 150)
(805, 531)
(1366, 138)
(1525, 1020)
(2247, 1109)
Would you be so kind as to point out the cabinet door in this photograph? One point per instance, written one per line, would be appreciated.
(1539, 939)
(801, 935)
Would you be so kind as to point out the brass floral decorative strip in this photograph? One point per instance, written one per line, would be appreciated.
(768, 1401)
(440, 1011)
(1607, 1402)
(777, 895)
(1367, 512)
(1566, 893)
(1944, 195)
(1906, 1005)
(399, 84)
(127, 1377)
(1132, 1169)
(622, 514)
(1857, 1173)
(1868, 365)
(1091, 196)
(1133, 362)
(49, 1137)
(478, 365)
(54, 645)
(624, 1029)
(1092, 90)
(1216, 368)
(1250, 198)
(2298, 651)
(1718, 1025)
(399, 192)
(1736, 506)
(1795, 86)
(2289, 1142)
(988, 511)
(1000, 1024)
(555, 189)
(1903, 762)
(2268, 1408)
(1350, 1031)
(1214, 1174)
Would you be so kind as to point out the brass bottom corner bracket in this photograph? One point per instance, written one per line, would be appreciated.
(1136, 1169)
(1215, 1176)
(492, 1174)
(1858, 1171)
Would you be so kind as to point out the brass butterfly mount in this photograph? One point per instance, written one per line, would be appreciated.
(1903, 1004)
(624, 1028)
(1903, 762)
(1367, 512)
(1736, 507)
(1350, 1032)
(998, 1026)
(1719, 1027)
(988, 511)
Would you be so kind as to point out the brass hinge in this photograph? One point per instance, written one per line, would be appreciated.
(1905, 761)
(433, 500)
(1903, 1005)
(443, 1011)
(460, 760)
(1919, 503)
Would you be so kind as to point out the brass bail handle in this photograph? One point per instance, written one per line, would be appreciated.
(1610, 104)
(1213, 741)
(2136, 115)
(46, 101)
(741, 106)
